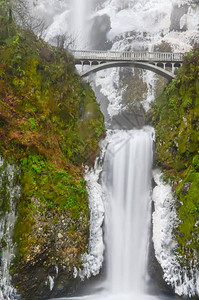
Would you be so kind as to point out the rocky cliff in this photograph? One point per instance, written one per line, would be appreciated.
(50, 126)
(176, 119)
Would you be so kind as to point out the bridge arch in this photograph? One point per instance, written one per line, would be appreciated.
(142, 65)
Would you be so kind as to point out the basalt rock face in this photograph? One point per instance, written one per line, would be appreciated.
(50, 125)
(127, 121)
(98, 33)
(49, 266)
(177, 14)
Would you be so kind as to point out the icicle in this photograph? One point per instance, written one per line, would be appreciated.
(92, 261)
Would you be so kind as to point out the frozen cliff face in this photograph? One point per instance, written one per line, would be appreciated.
(134, 23)
(10, 192)
(152, 18)
(92, 261)
(154, 25)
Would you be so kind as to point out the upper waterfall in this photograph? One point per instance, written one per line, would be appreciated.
(79, 22)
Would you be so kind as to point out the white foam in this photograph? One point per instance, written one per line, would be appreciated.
(107, 296)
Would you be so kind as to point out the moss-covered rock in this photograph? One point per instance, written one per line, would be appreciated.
(50, 126)
(176, 119)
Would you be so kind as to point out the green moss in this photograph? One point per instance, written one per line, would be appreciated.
(54, 190)
(50, 123)
(4, 193)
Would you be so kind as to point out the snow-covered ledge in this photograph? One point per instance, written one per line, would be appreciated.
(92, 261)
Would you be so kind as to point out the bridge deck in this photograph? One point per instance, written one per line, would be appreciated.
(95, 55)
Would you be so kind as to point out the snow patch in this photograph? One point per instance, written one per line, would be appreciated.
(181, 41)
(109, 80)
(150, 79)
(51, 282)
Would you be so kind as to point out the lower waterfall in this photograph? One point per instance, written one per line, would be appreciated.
(126, 181)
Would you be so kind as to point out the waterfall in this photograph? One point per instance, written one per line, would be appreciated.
(80, 25)
(126, 184)
(126, 192)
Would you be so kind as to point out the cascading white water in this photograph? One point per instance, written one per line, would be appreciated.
(80, 26)
(126, 191)
(126, 184)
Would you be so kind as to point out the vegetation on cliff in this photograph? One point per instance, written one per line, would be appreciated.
(176, 119)
(50, 126)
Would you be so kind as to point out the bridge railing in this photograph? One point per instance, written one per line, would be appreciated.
(127, 55)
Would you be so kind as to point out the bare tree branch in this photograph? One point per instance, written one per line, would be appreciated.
(24, 17)
(64, 41)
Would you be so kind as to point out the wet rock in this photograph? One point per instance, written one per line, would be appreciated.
(176, 16)
(155, 282)
(98, 34)
(56, 250)
(127, 120)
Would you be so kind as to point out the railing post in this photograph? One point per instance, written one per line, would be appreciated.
(82, 64)
(173, 68)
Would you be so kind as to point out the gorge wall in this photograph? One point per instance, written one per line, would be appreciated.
(176, 121)
(50, 126)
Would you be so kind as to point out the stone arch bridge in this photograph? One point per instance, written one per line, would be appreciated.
(162, 63)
